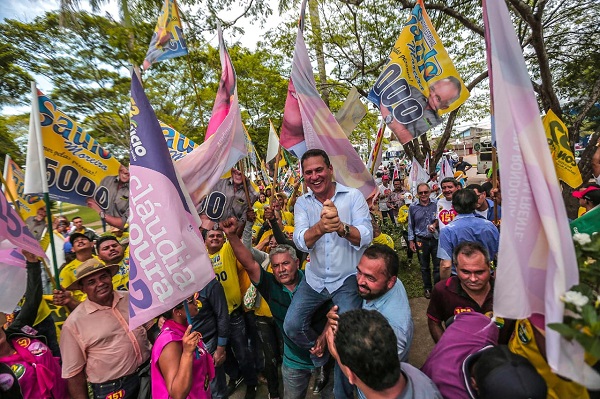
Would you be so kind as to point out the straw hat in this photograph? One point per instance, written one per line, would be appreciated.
(88, 268)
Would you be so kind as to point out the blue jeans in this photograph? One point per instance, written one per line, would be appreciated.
(295, 383)
(218, 386)
(123, 388)
(298, 318)
(238, 341)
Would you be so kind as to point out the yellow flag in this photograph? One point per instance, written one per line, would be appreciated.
(558, 141)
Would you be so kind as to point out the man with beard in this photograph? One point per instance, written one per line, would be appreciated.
(380, 289)
(111, 252)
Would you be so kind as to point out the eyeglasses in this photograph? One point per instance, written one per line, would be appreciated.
(423, 192)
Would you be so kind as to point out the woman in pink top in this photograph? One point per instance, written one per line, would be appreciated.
(176, 370)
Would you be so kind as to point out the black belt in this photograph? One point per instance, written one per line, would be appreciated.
(426, 238)
(125, 377)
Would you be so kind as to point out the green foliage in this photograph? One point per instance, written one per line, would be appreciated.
(7, 142)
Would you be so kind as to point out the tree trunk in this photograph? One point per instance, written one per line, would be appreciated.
(315, 24)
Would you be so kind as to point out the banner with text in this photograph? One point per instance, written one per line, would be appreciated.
(168, 261)
(419, 83)
(558, 141)
(75, 162)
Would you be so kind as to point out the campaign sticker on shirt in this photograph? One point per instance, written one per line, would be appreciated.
(120, 394)
(460, 309)
(6, 382)
(446, 216)
(18, 370)
(23, 342)
(29, 330)
(37, 349)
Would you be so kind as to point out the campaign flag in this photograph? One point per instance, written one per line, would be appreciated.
(426, 163)
(75, 163)
(564, 160)
(14, 232)
(273, 145)
(417, 176)
(308, 123)
(13, 279)
(167, 40)
(35, 173)
(250, 149)
(26, 204)
(351, 112)
(376, 152)
(168, 261)
(419, 83)
(446, 169)
(536, 260)
(225, 142)
(178, 144)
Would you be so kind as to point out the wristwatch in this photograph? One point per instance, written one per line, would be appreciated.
(102, 215)
(346, 231)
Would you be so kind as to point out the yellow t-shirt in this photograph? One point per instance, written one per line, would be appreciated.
(384, 239)
(120, 280)
(225, 266)
(523, 343)
(287, 218)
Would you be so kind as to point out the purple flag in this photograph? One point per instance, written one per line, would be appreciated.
(536, 261)
(168, 259)
(308, 123)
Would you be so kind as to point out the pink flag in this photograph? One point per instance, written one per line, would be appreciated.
(308, 123)
(13, 279)
(13, 231)
(225, 142)
(168, 259)
(536, 261)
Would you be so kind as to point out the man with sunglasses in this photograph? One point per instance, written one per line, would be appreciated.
(422, 238)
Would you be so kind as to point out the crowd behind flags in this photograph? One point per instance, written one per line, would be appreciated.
(170, 175)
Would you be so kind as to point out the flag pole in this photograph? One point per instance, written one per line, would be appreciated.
(495, 183)
(16, 205)
(37, 129)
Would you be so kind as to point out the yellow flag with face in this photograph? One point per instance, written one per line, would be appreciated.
(558, 141)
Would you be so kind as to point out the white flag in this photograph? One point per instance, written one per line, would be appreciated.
(35, 171)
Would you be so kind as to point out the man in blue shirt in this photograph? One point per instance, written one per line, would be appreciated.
(421, 237)
(332, 224)
(467, 226)
(485, 206)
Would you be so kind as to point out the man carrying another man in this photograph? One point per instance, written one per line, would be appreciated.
(334, 226)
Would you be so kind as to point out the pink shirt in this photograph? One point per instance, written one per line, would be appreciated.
(203, 369)
(98, 339)
(36, 369)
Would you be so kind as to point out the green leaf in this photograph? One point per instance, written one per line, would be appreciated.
(564, 330)
(589, 314)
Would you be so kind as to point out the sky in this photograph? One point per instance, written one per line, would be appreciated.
(27, 10)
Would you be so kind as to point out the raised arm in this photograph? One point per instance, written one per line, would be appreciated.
(243, 254)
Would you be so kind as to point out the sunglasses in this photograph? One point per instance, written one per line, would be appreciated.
(423, 192)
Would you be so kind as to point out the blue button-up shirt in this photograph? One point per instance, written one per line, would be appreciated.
(419, 217)
(468, 227)
(332, 258)
(393, 305)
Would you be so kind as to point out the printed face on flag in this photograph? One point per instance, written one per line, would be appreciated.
(167, 40)
(419, 83)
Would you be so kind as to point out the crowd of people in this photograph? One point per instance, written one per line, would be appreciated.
(306, 289)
